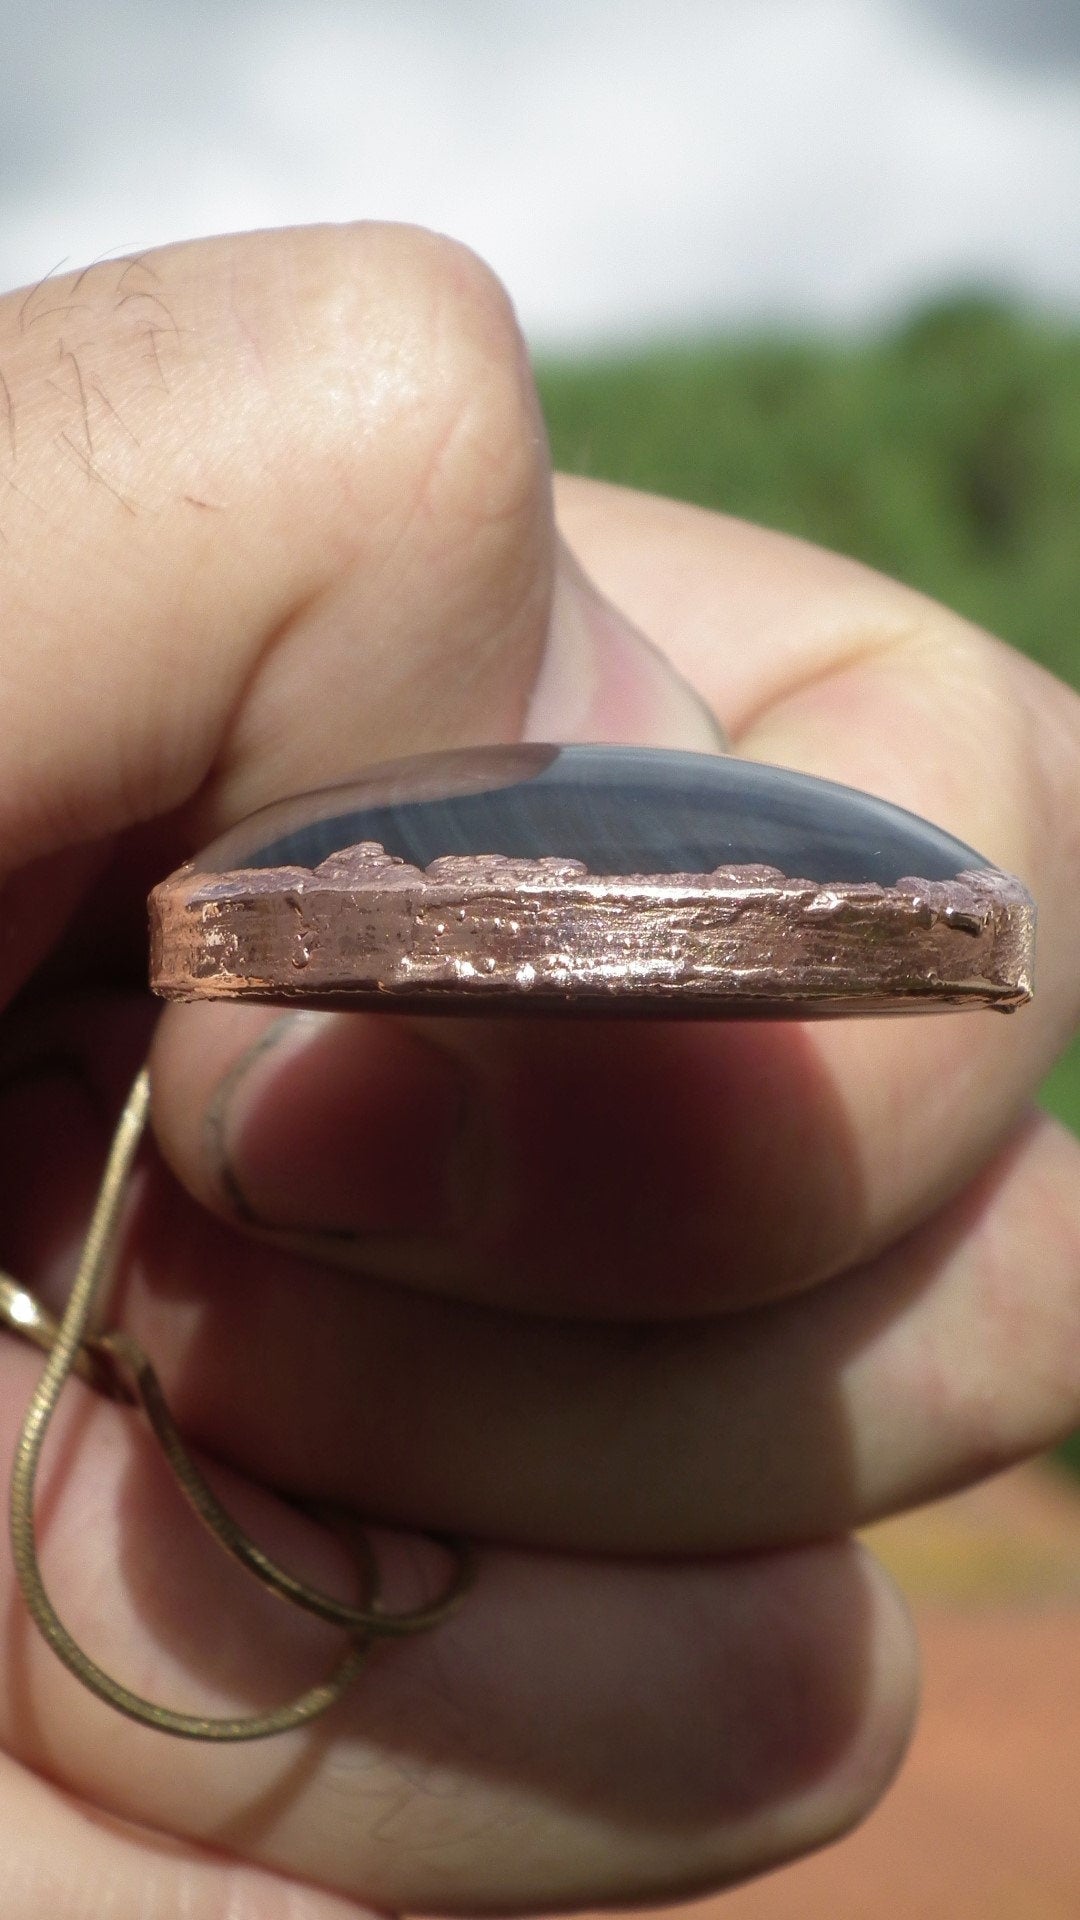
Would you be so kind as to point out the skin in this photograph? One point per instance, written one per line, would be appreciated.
(658, 1315)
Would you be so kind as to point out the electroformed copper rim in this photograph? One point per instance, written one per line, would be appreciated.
(490, 934)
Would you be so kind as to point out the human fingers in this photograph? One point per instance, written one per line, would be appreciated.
(945, 1358)
(302, 480)
(354, 298)
(502, 1762)
(511, 1766)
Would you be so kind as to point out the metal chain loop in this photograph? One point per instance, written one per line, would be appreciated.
(115, 1364)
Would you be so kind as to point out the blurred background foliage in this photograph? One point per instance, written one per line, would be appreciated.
(946, 453)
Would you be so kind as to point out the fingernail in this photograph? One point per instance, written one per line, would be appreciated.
(345, 1125)
(602, 680)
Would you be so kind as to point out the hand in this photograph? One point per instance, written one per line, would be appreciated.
(659, 1314)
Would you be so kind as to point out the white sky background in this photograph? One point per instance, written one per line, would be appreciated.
(630, 167)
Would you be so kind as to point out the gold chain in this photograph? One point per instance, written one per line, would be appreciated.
(115, 1364)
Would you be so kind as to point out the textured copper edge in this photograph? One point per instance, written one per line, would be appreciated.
(489, 934)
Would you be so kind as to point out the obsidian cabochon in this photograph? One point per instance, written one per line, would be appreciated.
(619, 810)
(593, 880)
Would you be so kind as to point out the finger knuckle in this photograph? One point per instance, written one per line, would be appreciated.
(421, 339)
(138, 375)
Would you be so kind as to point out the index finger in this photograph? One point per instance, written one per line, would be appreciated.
(270, 505)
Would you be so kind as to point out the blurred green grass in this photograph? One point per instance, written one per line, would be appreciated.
(946, 453)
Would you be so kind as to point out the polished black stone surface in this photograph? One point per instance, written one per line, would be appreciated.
(620, 810)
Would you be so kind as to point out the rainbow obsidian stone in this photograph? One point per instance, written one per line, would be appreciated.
(593, 879)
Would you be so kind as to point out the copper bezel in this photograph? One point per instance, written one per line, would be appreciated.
(489, 934)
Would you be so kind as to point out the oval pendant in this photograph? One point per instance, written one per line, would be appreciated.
(597, 880)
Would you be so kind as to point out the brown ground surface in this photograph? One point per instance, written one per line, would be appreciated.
(984, 1820)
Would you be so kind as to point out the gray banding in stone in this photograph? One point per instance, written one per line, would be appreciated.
(620, 811)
